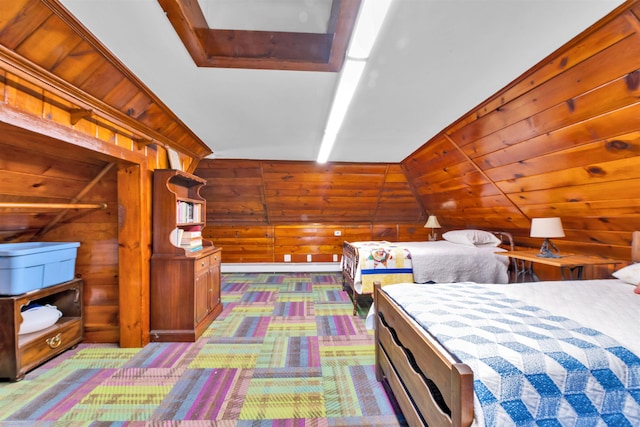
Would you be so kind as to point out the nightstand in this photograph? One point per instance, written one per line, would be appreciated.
(573, 263)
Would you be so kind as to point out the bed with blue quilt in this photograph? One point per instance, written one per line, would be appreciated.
(563, 353)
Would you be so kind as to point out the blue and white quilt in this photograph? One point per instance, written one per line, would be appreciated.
(531, 367)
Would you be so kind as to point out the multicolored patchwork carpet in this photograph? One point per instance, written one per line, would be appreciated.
(285, 352)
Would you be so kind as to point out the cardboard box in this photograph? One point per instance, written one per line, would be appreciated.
(33, 265)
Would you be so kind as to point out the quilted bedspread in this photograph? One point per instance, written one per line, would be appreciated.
(531, 367)
(382, 262)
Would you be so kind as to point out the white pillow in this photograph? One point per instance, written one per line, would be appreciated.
(471, 237)
(629, 274)
(38, 318)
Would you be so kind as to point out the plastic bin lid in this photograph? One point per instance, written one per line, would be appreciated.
(26, 248)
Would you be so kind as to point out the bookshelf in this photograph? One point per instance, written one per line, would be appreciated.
(185, 268)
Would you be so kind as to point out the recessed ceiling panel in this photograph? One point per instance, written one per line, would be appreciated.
(296, 16)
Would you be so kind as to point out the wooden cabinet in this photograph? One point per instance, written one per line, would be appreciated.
(185, 283)
(21, 353)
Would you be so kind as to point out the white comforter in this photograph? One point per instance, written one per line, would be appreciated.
(443, 262)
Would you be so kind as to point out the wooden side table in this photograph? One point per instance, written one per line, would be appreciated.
(574, 263)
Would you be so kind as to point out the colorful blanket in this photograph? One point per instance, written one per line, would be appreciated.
(382, 262)
(531, 367)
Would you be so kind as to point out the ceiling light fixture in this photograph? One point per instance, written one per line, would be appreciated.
(370, 19)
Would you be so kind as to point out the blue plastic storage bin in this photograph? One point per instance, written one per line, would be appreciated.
(33, 265)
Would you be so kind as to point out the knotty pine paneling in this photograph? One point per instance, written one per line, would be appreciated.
(242, 244)
(285, 192)
(45, 34)
(28, 175)
(258, 211)
(44, 158)
(69, 108)
(561, 140)
(268, 244)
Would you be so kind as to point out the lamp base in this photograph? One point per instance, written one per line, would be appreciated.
(545, 252)
(433, 236)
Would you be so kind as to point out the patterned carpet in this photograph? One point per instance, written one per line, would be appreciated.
(285, 352)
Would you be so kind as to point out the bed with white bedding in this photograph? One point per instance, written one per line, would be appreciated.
(546, 353)
(465, 255)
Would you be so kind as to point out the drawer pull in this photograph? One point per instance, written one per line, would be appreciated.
(202, 264)
(55, 341)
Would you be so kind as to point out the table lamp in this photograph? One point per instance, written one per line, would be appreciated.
(432, 222)
(547, 228)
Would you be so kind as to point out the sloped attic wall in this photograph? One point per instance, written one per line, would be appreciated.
(562, 140)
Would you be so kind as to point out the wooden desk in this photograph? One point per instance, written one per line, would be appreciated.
(574, 263)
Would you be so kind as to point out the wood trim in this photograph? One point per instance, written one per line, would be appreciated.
(56, 131)
(37, 75)
(263, 49)
(15, 205)
(84, 191)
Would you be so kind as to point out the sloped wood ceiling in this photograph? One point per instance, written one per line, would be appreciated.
(41, 37)
(562, 140)
(263, 49)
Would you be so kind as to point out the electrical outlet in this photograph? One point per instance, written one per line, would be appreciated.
(309, 258)
(337, 233)
(287, 257)
(335, 257)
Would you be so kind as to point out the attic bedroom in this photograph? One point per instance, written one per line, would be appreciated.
(95, 148)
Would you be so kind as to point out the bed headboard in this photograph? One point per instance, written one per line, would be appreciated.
(635, 247)
(506, 238)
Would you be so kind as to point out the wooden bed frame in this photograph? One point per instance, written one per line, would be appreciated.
(404, 353)
(350, 258)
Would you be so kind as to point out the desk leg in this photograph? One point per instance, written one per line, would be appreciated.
(575, 273)
(524, 269)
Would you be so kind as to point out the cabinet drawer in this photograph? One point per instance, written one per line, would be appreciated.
(202, 264)
(215, 258)
(40, 346)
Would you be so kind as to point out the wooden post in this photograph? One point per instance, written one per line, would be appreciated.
(134, 253)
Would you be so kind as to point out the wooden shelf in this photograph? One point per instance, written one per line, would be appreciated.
(185, 284)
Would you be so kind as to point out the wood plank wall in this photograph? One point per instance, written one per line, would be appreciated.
(69, 110)
(562, 140)
(258, 211)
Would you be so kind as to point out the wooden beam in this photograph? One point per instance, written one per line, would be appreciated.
(134, 254)
(78, 113)
(84, 191)
(263, 49)
(27, 205)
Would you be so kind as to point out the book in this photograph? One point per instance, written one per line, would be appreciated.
(191, 243)
(188, 235)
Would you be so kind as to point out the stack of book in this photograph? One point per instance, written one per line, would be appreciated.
(189, 238)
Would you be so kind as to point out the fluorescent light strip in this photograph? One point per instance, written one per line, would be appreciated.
(349, 78)
(370, 19)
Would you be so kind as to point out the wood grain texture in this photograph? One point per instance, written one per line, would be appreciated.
(44, 33)
(562, 140)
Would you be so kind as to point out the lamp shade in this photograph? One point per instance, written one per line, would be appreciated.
(432, 222)
(546, 227)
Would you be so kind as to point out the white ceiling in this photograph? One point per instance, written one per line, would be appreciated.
(434, 61)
